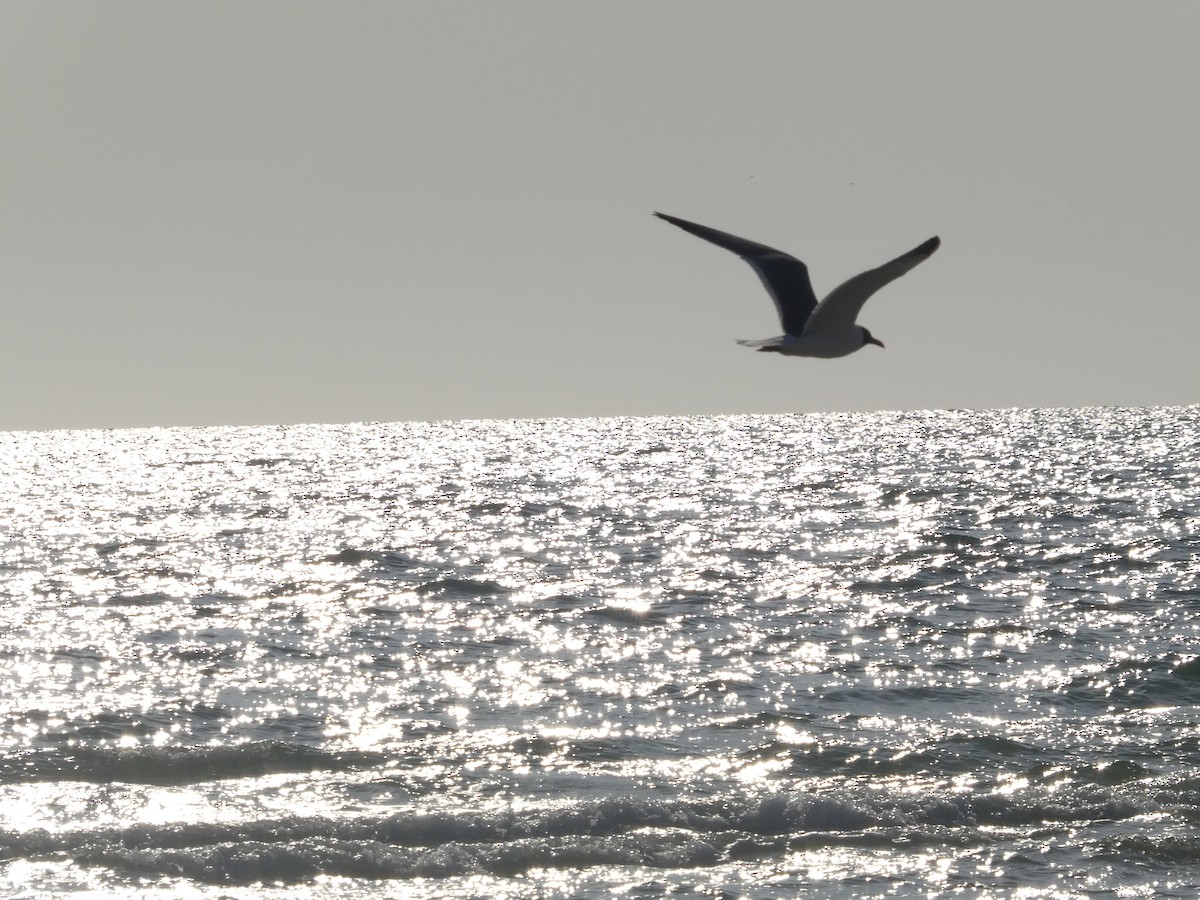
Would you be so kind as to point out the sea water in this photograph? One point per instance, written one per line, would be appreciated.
(923, 654)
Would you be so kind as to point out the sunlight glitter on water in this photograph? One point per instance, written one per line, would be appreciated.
(972, 618)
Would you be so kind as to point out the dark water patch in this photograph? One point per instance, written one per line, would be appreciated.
(380, 611)
(293, 651)
(976, 627)
(192, 653)
(1137, 683)
(624, 615)
(880, 698)
(462, 588)
(717, 576)
(209, 598)
(151, 599)
(652, 450)
(721, 687)
(267, 461)
(617, 749)
(352, 557)
(768, 719)
(564, 602)
(1188, 670)
(113, 547)
(395, 563)
(1031, 807)
(289, 729)
(754, 849)
(688, 600)
(885, 839)
(979, 755)
(500, 640)
(198, 720)
(1112, 774)
(1140, 683)
(958, 539)
(207, 711)
(238, 533)
(421, 729)
(287, 588)
(1172, 850)
(672, 689)
(177, 766)
(754, 554)
(537, 747)
(988, 746)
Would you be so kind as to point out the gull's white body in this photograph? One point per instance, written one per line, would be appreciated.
(824, 344)
(826, 329)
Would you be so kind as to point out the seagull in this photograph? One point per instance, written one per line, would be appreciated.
(824, 329)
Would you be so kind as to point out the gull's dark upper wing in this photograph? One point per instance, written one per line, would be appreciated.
(784, 276)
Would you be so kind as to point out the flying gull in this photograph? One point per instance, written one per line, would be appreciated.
(824, 329)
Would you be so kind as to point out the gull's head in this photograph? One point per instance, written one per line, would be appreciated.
(868, 338)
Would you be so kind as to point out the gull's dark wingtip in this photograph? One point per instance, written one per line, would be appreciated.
(702, 231)
(916, 255)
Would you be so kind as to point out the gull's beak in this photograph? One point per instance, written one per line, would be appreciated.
(875, 341)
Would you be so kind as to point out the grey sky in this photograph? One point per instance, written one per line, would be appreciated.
(232, 212)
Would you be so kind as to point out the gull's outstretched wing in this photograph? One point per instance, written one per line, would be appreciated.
(842, 306)
(784, 276)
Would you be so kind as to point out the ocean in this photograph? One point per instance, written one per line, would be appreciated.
(919, 654)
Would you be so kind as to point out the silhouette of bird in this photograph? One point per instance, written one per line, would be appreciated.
(826, 329)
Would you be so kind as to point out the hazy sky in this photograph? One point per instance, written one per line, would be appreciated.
(271, 212)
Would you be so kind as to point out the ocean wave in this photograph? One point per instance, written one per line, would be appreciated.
(622, 832)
